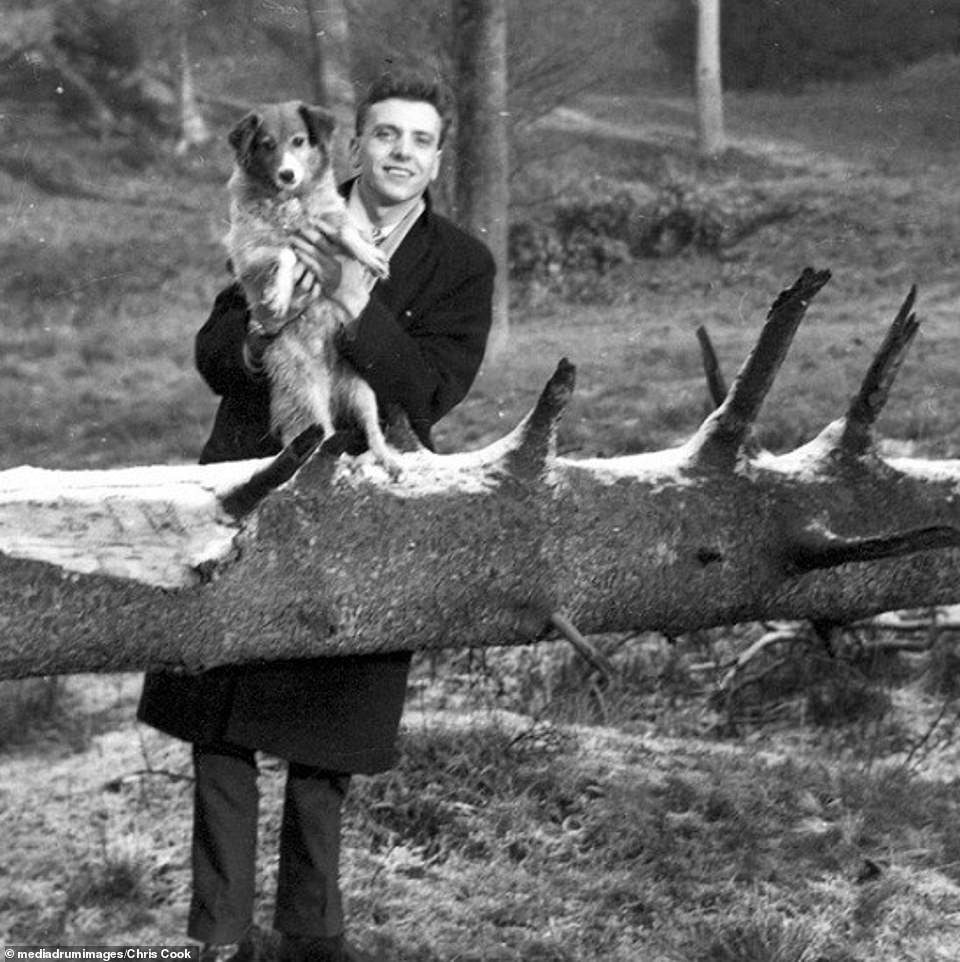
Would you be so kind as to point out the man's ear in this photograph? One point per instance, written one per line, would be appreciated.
(435, 171)
(241, 137)
(354, 152)
(319, 123)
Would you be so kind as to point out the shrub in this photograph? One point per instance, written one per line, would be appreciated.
(844, 698)
(766, 937)
(943, 671)
(27, 705)
(586, 240)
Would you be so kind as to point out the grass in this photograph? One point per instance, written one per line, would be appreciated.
(536, 813)
(500, 837)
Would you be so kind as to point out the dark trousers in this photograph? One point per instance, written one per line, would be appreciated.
(226, 802)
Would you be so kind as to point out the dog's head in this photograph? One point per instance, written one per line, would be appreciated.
(283, 146)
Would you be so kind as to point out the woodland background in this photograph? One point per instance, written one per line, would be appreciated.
(539, 811)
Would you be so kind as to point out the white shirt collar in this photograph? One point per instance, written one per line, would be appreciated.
(358, 213)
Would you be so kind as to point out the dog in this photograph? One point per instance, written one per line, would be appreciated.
(283, 181)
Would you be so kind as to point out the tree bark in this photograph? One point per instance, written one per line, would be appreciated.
(332, 85)
(482, 190)
(309, 554)
(710, 132)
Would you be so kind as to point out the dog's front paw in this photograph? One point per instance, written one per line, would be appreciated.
(392, 464)
(277, 306)
(278, 294)
(378, 264)
(369, 465)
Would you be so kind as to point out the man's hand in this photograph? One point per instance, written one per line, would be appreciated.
(318, 267)
(355, 285)
(346, 280)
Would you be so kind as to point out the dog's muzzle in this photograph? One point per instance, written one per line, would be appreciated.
(290, 173)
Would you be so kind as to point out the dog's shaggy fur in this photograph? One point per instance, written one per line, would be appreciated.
(283, 181)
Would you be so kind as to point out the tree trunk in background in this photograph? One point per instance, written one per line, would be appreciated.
(710, 134)
(318, 83)
(332, 85)
(482, 159)
(193, 128)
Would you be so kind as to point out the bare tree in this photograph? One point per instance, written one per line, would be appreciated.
(710, 130)
(482, 155)
(195, 566)
(36, 34)
(193, 128)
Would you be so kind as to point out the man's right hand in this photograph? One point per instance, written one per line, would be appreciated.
(319, 268)
(356, 283)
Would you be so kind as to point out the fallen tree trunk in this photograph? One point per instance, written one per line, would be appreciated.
(308, 555)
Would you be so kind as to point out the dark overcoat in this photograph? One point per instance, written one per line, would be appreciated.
(419, 343)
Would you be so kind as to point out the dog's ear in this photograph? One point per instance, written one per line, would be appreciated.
(241, 137)
(319, 123)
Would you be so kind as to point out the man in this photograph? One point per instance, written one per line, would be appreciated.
(418, 338)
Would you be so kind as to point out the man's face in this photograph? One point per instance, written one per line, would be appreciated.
(398, 150)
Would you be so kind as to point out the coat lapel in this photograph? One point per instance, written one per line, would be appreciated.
(407, 269)
(407, 263)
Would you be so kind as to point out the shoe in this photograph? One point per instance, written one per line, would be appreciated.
(246, 950)
(305, 948)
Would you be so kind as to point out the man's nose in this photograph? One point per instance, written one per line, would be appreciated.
(401, 146)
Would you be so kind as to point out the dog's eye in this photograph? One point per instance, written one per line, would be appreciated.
(298, 140)
(268, 143)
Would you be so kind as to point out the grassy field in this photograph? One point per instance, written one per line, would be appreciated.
(535, 815)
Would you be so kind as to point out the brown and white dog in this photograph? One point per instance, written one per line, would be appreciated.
(283, 181)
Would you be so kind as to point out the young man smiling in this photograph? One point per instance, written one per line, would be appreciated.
(418, 338)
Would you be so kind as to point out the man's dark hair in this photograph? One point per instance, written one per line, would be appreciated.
(408, 86)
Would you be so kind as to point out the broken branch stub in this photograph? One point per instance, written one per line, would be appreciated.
(716, 385)
(722, 435)
(537, 435)
(197, 566)
(866, 405)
